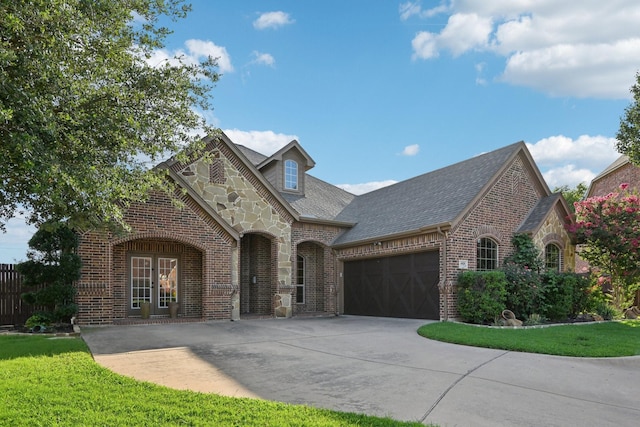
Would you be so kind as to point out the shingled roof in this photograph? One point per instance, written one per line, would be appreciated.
(435, 198)
(539, 213)
(321, 200)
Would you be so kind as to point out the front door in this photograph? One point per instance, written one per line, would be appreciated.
(153, 280)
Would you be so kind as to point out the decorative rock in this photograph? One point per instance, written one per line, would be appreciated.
(510, 318)
(632, 313)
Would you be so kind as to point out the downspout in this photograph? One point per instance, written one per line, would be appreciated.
(445, 289)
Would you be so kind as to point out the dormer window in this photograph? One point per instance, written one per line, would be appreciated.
(290, 175)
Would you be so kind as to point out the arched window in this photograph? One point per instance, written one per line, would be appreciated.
(487, 254)
(300, 270)
(552, 257)
(290, 175)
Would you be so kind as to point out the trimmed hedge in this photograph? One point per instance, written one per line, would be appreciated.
(481, 295)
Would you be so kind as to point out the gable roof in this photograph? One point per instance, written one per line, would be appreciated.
(435, 199)
(617, 164)
(321, 200)
(293, 145)
(541, 211)
(221, 138)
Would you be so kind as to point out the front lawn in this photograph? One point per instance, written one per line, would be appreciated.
(55, 382)
(609, 339)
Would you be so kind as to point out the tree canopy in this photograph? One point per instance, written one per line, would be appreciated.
(628, 135)
(82, 111)
(572, 195)
(609, 226)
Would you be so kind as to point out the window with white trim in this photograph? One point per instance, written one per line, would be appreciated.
(290, 175)
(487, 254)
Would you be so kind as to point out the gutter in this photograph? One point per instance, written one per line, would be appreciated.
(444, 226)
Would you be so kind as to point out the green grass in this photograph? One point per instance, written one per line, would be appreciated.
(55, 382)
(609, 339)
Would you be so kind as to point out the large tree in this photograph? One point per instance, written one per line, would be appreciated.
(609, 227)
(628, 135)
(83, 112)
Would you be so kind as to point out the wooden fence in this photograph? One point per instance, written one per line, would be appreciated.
(13, 311)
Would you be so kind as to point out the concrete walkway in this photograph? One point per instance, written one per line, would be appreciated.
(376, 366)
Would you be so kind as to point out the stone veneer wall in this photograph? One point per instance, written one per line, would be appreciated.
(226, 185)
(553, 231)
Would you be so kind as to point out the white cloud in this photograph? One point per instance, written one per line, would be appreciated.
(566, 161)
(272, 20)
(196, 50)
(365, 187)
(425, 46)
(582, 49)
(568, 175)
(264, 142)
(409, 9)
(465, 32)
(411, 150)
(263, 58)
(599, 71)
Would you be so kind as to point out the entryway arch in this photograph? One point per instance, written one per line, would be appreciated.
(258, 274)
(312, 287)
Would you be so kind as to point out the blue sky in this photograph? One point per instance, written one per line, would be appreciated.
(381, 91)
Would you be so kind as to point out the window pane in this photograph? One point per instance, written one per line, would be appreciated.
(487, 255)
(290, 175)
(552, 257)
(300, 270)
(168, 281)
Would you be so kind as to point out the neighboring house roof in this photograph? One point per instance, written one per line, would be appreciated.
(540, 212)
(438, 198)
(321, 200)
(617, 164)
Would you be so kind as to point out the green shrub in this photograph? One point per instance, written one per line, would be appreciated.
(606, 310)
(523, 290)
(52, 266)
(38, 319)
(534, 319)
(582, 297)
(481, 295)
(556, 296)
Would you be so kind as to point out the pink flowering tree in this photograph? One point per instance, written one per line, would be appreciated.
(609, 226)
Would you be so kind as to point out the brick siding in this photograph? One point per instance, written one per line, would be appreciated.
(157, 227)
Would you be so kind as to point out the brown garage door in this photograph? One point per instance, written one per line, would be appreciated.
(397, 286)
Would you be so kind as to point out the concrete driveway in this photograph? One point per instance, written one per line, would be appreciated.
(376, 366)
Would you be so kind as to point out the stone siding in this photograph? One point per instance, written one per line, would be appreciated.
(242, 202)
(553, 231)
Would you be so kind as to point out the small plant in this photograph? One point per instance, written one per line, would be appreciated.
(38, 319)
(607, 311)
(534, 319)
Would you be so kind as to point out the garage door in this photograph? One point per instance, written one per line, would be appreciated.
(398, 286)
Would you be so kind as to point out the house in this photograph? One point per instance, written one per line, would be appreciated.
(259, 236)
(609, 180)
